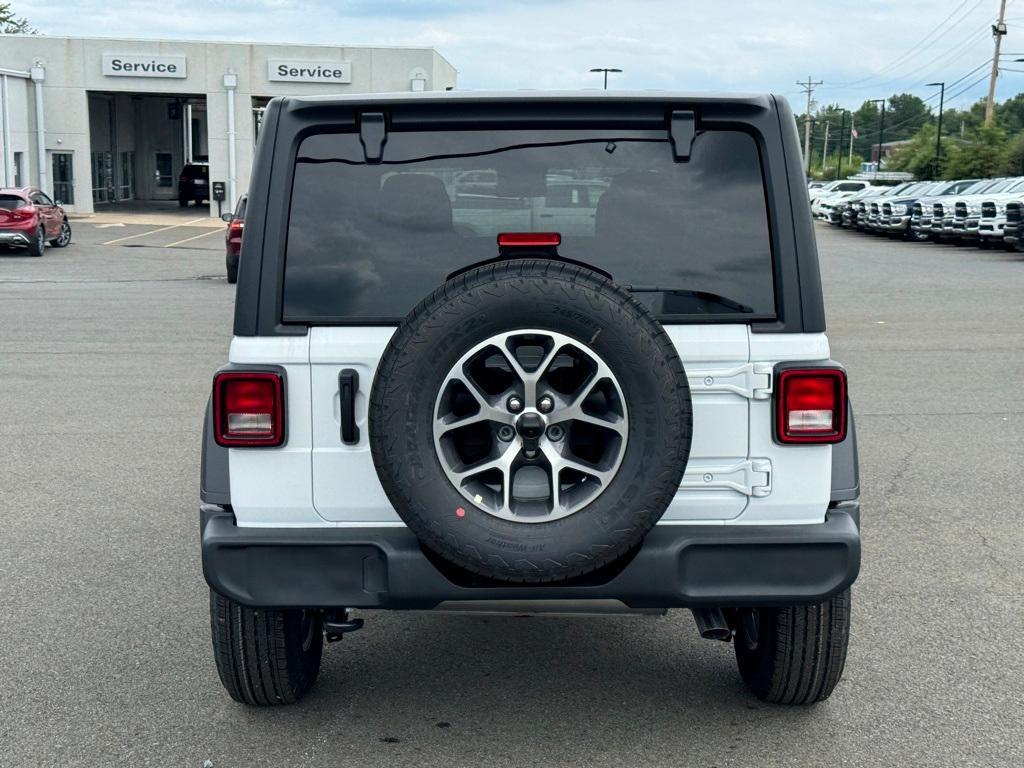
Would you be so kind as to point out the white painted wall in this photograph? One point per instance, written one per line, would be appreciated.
(74, 67)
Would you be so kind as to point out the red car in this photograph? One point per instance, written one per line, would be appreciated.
(233, 238)
(30, 219)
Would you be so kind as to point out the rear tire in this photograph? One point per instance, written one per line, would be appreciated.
(796, 654)
(38, 245)
(265, 657)
(183, 202)
(232, 273)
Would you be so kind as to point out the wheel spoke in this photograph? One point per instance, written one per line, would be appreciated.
(531, 378)
(573, 410)
(502, 462)
(559, 462)
(485, 411)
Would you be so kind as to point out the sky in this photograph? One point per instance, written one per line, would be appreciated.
(861, 50)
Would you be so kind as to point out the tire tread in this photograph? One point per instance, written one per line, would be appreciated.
(251, 648)
(801, 653)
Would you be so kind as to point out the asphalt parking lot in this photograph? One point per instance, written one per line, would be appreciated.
(106, 353)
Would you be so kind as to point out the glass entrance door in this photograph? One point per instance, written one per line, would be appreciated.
(164, 164)
(63, 177)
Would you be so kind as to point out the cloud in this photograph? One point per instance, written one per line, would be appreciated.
(742, 45)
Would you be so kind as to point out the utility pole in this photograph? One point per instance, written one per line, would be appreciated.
(824, 150)
(938, 131)
(808, 88)
(839, 149)
(998, 32)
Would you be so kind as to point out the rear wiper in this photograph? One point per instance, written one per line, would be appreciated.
(711, 298)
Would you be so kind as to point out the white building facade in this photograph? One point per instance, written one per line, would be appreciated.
(94, 122)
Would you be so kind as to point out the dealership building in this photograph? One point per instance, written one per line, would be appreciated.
(96, 122)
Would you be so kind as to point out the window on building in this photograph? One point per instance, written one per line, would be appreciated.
(64, 177)
(18, 177)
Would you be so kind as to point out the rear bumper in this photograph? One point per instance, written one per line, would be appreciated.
(15, 237)
(676, 566)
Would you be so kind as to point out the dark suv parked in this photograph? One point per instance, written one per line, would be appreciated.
(595, 378)
(194, 184)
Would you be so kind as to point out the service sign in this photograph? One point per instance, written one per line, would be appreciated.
(282, 70)
(141, 65)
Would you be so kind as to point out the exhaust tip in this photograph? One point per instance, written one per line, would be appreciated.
(711, 624)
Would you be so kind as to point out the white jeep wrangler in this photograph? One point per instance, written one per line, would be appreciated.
(529, 350)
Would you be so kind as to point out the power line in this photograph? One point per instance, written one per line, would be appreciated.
(967, 88)
(926, 42)
(950, 55)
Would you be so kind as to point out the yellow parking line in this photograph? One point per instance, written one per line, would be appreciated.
(195, 237)
(154, 231)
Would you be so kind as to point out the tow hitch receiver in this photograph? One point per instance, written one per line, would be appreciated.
(338, 623)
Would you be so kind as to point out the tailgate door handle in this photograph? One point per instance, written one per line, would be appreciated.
(348, 385)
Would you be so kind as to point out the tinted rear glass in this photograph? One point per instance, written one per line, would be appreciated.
(368, 242)
(10, 202)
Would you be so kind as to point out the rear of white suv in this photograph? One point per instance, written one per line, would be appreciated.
(598, 377)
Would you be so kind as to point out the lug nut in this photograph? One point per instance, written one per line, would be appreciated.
(515, 404)
(555, 433)
(506, 433)
(546, 404)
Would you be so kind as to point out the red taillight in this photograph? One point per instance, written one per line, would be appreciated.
(529, 239)
(248, 408)
(811, 405)
(236, 227)
(24, 213)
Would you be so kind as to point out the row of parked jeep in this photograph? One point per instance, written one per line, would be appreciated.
(982, 212)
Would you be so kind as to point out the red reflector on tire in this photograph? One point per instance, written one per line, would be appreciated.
(529, 239)
(248, 408)
(811, 405)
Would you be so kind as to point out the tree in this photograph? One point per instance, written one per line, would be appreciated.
(14, 25)
(917, 157)
(1013, 165)
(904, 116)
(984, 154)
(1010, 114)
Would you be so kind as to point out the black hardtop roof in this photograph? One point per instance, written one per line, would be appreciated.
(761, 101)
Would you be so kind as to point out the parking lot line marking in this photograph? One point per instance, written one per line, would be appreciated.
(153, 231)
(194, 237)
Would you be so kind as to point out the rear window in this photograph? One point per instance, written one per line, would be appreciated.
(367, 242)
(10, 202)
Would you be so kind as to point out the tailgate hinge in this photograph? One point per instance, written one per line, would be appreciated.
(751, 380)
(751, 477)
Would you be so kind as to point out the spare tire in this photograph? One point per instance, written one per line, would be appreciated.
(530, 421)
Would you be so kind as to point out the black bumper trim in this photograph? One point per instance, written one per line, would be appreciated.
(677, 566)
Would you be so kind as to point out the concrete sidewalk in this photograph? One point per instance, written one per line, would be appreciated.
(157, 214)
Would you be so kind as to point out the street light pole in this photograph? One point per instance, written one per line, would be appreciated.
(605, 70)
(839, 151)
(938, 132)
